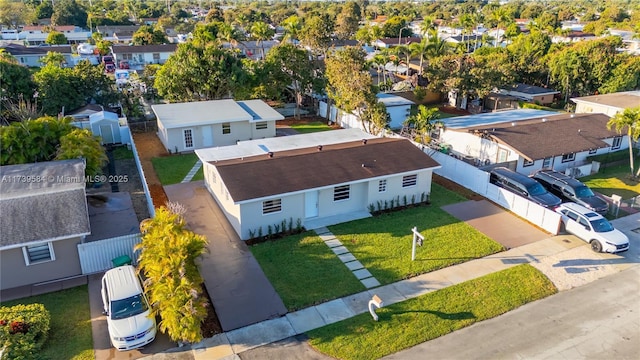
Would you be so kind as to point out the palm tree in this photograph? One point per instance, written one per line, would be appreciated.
(424, 121)
(291, 27)
(421, 50)
(630, 119)
(380, 60)
(261, 32)
(426, 26)
(501, 16)
(228, 33)
(466, 22)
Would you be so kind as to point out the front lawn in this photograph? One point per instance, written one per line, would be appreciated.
(304, 271)
(311, 127)
(411, 322)
(172, 169)
(613, 180)
(70, 332)
(383, 243)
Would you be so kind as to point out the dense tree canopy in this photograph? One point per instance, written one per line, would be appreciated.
(149, 35)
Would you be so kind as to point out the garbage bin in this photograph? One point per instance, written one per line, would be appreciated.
(121, 261)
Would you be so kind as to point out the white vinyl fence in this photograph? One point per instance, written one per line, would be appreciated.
(145, 186)
(478, 180)
(344, 119)
(96, 256)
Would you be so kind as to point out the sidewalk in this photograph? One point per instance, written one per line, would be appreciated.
(565, 259)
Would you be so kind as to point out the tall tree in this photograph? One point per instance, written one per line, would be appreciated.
(58, 89)
(149, 35)
(291, 26)
(261, 32)
(81, 143)
(375, 117)
(68, 12)
(316, 33)
(173, 283)
(348, 21)
(629, 119)
(292, 69)
(13, 14)
(198, 72)
(15, 79)
(56, 38)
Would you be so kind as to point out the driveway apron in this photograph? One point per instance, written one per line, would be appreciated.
(240, 291)
(497, 223)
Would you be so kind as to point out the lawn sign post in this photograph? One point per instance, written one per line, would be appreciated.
(617, 200)
(417, 238)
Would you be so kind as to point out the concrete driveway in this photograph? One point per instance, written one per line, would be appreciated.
(240, 291)
(497, 223)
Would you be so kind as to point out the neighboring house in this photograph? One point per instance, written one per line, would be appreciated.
(122, 34)
(36, 35)
(31, 55)
(318, 179)
(202, 124)
(398, 108)
(609, 104)
(44, 217)
(252, 49)
(391, 42)
(572, 36)
(531, 93)
(557, 141)
(140, 55)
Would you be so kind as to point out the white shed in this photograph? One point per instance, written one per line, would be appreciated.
(106, 125)
(398, 108)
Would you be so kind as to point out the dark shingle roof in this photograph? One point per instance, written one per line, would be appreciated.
(17, 50)
(531, 89)
(551, 136)
(308, 168)
(49, 205)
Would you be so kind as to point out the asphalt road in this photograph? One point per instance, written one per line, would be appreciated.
(600, 320)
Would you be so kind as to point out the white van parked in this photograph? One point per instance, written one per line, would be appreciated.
(127, 309)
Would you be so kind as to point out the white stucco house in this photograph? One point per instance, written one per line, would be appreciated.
(559, 141)
(318, 179)
(201, 124)
(398, 108)
(609, 104)
(140, 55)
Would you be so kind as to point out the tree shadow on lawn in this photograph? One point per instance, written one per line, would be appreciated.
(463, 315)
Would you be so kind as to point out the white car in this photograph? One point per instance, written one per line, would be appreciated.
(128, 316)
(592, 228)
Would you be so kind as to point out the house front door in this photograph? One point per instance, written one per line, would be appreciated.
(311, 204)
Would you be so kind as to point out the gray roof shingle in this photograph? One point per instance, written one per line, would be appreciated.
(42, 201)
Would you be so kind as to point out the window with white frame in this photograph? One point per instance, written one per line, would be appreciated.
(261, 125)
(35, 254)
(382, 185)
(271, 206)
(502, 155)
(341, 192)
(568, 157)
(617, 142)
(188, 138)
(127, 56)
(409, 180)
(546, 163)
(156, 57)
(226, 128)
(526, 163)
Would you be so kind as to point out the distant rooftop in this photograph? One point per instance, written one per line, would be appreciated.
(461, 122)
(621, 100)
(390, 100)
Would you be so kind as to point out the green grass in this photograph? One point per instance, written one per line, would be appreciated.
(304, 271)
(383, 243)
(613, 180)
(172, 169)
(306, 128)
(70, 332)
(122, 153)
(408, 323)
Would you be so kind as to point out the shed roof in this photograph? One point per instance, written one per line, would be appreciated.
(309, 168)
(124, 49)
(390, 100)
(531, 89)
(179, 115)
(620, 100)
(541, 138)
(42, 202)
(462, 122)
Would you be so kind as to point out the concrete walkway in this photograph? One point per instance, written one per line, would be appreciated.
(239, 289)
(192, 172)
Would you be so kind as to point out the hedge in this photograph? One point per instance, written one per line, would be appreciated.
(23, 330)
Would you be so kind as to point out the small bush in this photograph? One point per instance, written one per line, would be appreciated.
(23, 330)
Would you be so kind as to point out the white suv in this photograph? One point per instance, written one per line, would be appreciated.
(127, 309)
(592, 228)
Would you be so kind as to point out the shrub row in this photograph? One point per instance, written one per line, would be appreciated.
(23, 330)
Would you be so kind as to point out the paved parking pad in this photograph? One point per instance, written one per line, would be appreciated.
(497, 223)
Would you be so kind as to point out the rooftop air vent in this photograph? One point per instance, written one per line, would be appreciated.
(319, 147)
(364, 142)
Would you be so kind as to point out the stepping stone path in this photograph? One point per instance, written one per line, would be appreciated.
(192, 172)
(347, 258)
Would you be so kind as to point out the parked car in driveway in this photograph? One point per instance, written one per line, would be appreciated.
(110, 68)
(129, 321)
(571, 189)
(592, 228)
(524, 186)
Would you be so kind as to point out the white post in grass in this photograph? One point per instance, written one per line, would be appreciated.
(417, 238)
(377, 302)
